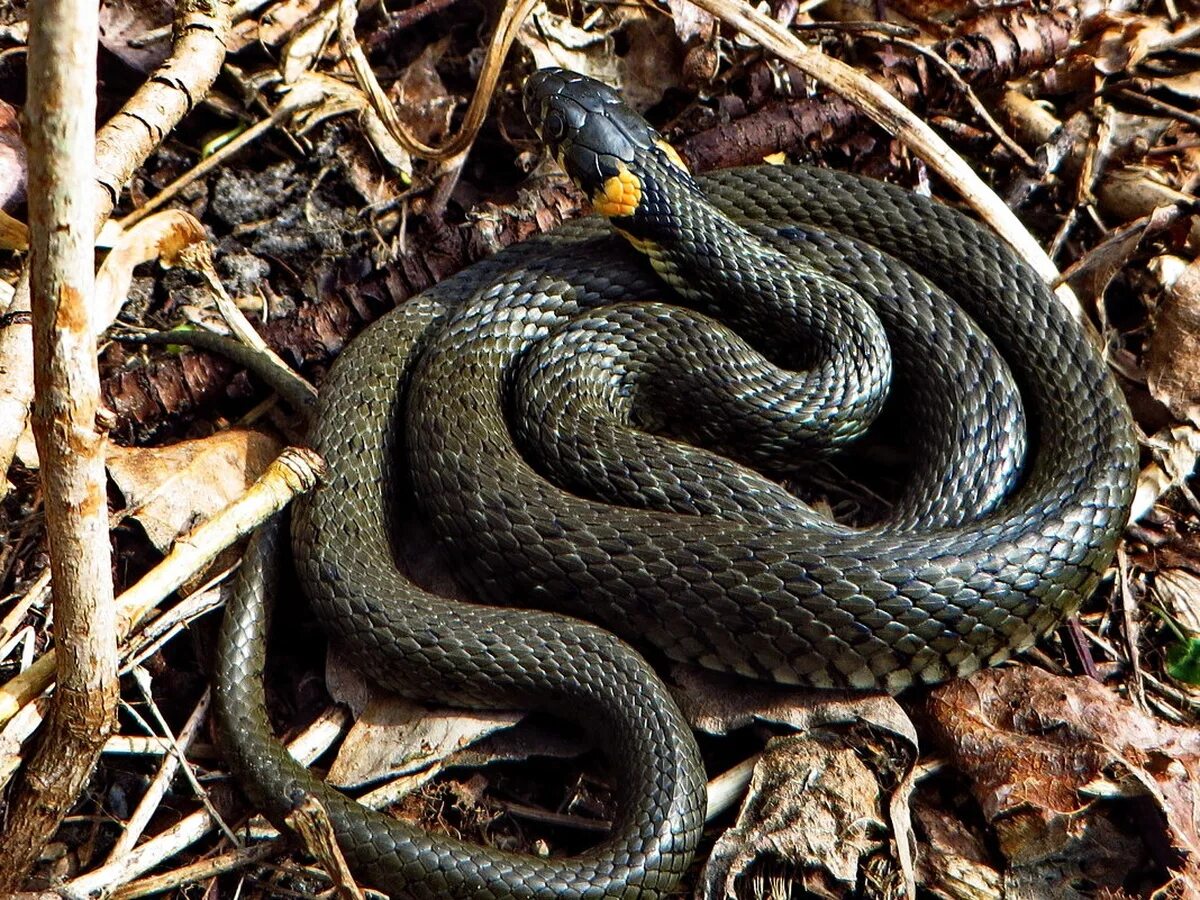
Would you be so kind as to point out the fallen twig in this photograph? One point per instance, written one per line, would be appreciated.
(314, 741)
(294, 471)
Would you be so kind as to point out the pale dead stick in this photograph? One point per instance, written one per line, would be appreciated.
(312, 742)
(890, 114)
(294, 471)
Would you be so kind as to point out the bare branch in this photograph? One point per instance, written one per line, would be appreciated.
(63, 36)
(121, 146)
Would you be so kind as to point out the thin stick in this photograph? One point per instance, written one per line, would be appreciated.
(197, 872)
(314, 741)
(63, 36)
(972, 98)
(293, 471)
(34, 596)
(171, 762)
(121, 146)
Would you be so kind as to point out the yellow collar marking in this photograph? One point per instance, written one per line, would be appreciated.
(619, 195)
(672, 154)
(642, 245)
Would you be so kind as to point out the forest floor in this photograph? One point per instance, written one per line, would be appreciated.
(1069, 772)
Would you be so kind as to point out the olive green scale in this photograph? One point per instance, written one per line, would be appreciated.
(614, 534)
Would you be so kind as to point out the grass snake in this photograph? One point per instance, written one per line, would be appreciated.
(596, 505)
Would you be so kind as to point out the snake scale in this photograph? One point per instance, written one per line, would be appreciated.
(593, 507)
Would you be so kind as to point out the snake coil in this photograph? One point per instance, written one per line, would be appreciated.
(842, 285)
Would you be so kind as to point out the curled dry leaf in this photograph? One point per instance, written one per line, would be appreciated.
(301, 52)
(161, 236)
(421, 93)
(12, 164)
(554, 40)
(319, 97)
(1178, 590)
(643, 73)
(1095, 270)
(1122, 40)
(954, 861)
(277, 23)
(392, 736)
(138, 32)
(824, 803)
(1176, 451)
(14, 234)
(1136, 190)
(697, 31)
(691, 22)
(719, 704)
(170, 489)
(1173, 354)
(396, 737)
(1040, 750)
(816, 816)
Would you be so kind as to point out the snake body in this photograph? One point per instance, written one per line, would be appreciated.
(668, 546)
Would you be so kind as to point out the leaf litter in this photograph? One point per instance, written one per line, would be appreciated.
(1019, 782)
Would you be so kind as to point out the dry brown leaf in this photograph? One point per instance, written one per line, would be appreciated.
(1095, 270)
(1176, 451)
(653, 64)
(1178, 590)
(276, 25)
(1135, 190)
(1173, 353)
(301, 52)
(719, 704)
(554, 40)
(1122, 40)
(954, 862)
(816, 811)
(392, 736)
(14, 234)
(160, 236)
(421, 93)
(12, 161)
(396, 737)
(814, 803)
(138, 32)
(691, 22)
(642, 74)
(1040, 749)
(170, 489)
(322, 97)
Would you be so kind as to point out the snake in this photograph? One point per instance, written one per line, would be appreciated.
(597, 426)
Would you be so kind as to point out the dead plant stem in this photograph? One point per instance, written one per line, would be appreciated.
(63, 37)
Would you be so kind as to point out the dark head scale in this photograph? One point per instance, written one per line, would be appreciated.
(606, 147)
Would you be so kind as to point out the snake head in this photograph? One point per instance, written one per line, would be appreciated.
(609, 150)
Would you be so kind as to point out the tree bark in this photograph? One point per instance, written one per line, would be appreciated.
(61, 112)
(121, 146)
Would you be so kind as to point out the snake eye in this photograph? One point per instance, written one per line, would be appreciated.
(554, 126)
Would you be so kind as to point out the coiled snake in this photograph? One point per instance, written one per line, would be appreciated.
(837, 279)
